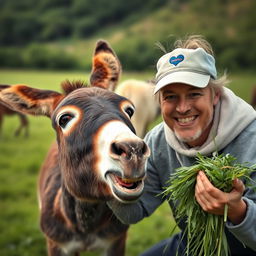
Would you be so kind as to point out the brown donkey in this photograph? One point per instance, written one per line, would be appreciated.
(97, 158)
(5, 111)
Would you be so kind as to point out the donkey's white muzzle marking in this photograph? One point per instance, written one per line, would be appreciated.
(121, 158)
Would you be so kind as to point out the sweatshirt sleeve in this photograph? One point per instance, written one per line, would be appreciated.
(246, 231)
(245, 151)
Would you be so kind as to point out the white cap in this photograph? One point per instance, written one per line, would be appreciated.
(189, 66)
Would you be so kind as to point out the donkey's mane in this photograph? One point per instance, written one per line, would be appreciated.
(68, 86)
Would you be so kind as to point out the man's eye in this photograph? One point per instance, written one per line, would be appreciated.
(170, 97)
(195, 94)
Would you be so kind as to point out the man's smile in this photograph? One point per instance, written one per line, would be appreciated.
(186, 120)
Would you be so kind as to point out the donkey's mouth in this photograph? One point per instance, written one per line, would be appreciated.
(125, 189)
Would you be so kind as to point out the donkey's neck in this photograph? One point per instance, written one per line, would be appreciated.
(85, 215)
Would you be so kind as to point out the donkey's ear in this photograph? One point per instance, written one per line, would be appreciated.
(29, 100)
(106, 67)
(3, 86)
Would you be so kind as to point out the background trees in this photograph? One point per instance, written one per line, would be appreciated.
(132, 28)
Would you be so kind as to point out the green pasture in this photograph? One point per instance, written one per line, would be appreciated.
(20, 160)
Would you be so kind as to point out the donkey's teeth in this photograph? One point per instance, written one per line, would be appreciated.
(125, 182)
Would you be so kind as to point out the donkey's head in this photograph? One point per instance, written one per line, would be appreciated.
(99, 154)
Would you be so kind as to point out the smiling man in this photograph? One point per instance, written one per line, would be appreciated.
(200, 115)
(188, 112)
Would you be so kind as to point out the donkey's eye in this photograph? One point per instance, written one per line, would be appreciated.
(129, 111)
(64, 119)
(67, 118)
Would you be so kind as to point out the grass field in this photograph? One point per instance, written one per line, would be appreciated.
(20, 160)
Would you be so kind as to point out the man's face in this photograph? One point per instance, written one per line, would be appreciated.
(188, 111)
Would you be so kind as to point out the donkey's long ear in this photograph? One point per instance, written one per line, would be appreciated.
(29, 100)
(106, 67)
(3, 86)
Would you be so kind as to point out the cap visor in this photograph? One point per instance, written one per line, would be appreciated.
(193, 79)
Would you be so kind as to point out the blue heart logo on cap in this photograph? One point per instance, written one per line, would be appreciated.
(176, 60)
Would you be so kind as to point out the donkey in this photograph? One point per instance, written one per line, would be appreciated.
(4, 111)
(97, 157)
(146, 104)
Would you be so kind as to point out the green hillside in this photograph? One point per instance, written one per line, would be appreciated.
(59, 34)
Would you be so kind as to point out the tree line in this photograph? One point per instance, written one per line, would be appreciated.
(27, 27)
(45, 20)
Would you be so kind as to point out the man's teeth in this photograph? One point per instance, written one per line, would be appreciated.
(186, 120)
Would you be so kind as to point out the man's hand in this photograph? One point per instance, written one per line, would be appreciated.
(213, 200)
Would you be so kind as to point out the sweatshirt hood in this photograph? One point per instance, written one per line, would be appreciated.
(231, 115)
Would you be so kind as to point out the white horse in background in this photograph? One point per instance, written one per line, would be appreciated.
(146, 104)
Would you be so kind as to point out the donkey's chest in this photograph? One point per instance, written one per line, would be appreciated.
(95, 220)
(96, 228)
(90, 217)
(90, 243)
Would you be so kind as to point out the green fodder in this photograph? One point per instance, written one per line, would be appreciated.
(205, 231)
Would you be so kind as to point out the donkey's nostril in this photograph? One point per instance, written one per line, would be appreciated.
(118, 149)
(128, 149)
(145, 149)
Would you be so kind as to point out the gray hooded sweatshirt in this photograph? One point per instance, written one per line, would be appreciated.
(233, 132)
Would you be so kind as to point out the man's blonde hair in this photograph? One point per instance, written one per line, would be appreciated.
(194, 42)
(198, 41)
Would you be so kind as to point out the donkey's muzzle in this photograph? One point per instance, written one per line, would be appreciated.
(128, 182)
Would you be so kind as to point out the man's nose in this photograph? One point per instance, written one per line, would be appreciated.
(183, 106)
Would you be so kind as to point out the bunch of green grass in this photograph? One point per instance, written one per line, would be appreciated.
(205, 231)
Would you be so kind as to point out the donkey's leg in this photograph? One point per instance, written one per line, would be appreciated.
(53, 249)
(18, 130)
(24, 121)
(23, 124)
